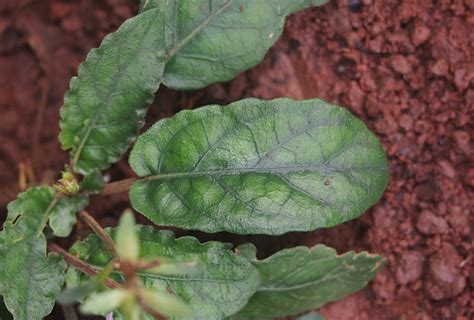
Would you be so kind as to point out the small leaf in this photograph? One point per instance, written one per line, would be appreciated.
(247, 250)
(29, 279)
(221, 285)
(108, 100)
(93, 182)
(63, 217)
(165, 303)
(131, 310)
(258, 167)
(299, 279)
(105, 302)
(78, 293)
(213, 41)
(126, 239)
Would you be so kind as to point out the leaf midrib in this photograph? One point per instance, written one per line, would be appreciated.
(105, 98)
(269, 170)
(195, 31)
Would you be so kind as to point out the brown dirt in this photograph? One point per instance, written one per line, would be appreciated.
(405, 67)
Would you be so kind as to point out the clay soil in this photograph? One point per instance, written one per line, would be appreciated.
(404, 67)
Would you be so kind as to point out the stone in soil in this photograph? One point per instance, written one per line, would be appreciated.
(444, 279)
(410, 267)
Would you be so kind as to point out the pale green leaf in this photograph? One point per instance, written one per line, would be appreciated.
(126, 238)
(63, 216)
(213, 41)
(105, 302)
(108, 100)
(166, 303)
(29, 279)
(300, 279)
(219, 287)
(258, 167)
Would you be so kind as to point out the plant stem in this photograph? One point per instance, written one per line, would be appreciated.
(99, 231)
(81, 265)
(69, 312)
(118, 186)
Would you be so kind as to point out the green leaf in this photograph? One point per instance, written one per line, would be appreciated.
(166, 303)
(213, 41)
(63, 216)
(258, 167)
(299, 279)
(105, 302)
(220, 286)
(126, 238)
(79, 292)
(184, 44)
(93, 182)
(29, 279)
(108, 100)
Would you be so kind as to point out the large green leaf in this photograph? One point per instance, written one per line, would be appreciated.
(213, 41)
(299, 279)
(219, 287)
(258, 167)
(29, 279)
(108, 100)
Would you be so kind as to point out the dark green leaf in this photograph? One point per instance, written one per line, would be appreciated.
(220, 286)
(299, 279)
(184, 44)
(258, 167)
(29, 280)
(108, 100)
(213, 41)
(93, 182)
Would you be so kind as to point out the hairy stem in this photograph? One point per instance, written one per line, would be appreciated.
(118, 186)
(81, 265)
(99, 231)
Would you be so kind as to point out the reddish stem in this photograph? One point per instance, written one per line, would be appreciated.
(82, 266)
(118, 186)
(99, 231)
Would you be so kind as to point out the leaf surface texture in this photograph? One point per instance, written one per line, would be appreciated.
(219, 287)
(258, 167)
(106, 103)
(184, 44)
(29, 279)
(213, 41)
(300, 279)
